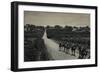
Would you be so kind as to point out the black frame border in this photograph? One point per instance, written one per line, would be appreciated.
(14, 35)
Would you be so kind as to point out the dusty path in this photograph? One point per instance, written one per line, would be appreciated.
(53, 50)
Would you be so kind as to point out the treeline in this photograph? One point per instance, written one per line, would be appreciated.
(56, 31)
(67, 31)
(33, 31)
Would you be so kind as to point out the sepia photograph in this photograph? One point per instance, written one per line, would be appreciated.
(56, 36)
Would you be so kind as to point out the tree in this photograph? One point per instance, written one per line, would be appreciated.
(68, 28)
(58, 27)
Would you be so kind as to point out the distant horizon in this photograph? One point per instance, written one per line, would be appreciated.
(55, 18)
(60, 25)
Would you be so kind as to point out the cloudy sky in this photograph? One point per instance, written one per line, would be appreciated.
(55, 18)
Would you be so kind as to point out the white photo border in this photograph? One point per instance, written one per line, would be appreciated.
(22, 64)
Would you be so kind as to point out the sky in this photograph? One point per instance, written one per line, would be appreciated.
(56, 18)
